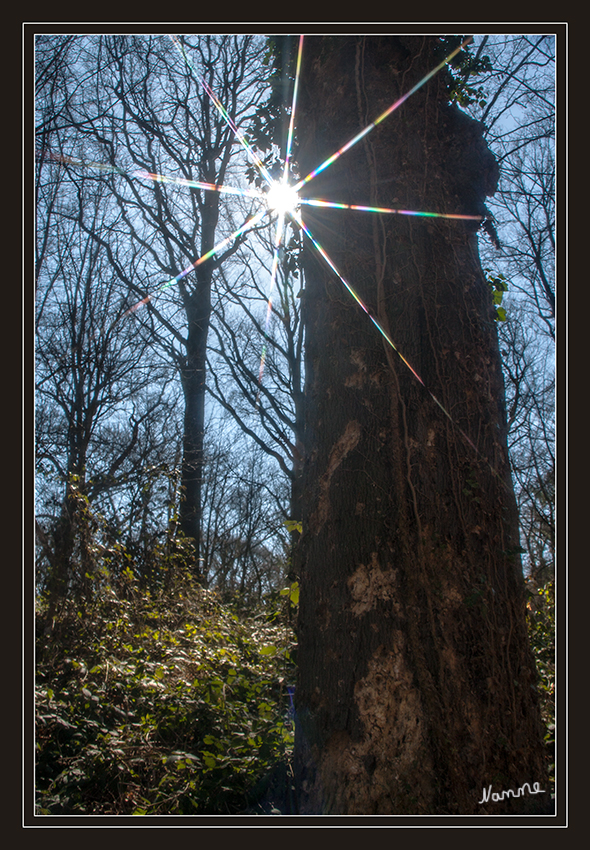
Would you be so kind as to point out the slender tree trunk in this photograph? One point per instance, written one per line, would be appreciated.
(198, 312)
(416, 683)
(193, 385)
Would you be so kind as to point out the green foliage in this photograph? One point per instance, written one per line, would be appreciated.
(292, 592)
(498, 285)
(541, 626)
(160, 702)
(463, 66)
(268, 128)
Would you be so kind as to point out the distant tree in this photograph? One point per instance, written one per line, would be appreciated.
(530, 393)
(416, 682)
(96, 382)
(256, 359)
(244, 538)
(515, 101)
(134, 106)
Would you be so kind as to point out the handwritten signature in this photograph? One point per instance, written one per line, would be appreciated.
(495, 797)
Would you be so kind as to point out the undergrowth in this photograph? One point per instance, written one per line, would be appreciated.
(160, 699)
(162, 702)
(541, 628)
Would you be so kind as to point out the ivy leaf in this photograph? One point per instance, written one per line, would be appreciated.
(294, 595)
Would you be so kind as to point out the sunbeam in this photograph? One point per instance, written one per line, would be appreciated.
(143, 174)
(292, 116)
(382, 330)
(248, 225)
(313, 202)
(382, 117)
(282, 199)
(255, 159)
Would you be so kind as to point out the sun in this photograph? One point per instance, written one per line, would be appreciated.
(282, 198)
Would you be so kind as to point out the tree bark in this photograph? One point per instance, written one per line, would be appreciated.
(416, 686)
(193, 373)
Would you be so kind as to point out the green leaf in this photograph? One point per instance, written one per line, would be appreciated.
(268, 650)
(292, 592)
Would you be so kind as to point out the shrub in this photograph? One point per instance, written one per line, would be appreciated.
(160, 702)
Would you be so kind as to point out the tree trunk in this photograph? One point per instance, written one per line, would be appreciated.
(193, 386)
(198, 313)
(416, 683)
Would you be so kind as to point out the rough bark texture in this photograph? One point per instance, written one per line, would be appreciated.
(416, 684)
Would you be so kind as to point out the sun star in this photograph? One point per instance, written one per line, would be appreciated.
(282, 198)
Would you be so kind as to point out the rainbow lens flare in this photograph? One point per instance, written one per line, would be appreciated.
(282, 200)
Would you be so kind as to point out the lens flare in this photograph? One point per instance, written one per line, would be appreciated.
(282, 199)
(195, 184)
(312, 202)
(381, 118)
(142, 174)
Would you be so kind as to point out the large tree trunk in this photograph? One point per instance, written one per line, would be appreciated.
(416, 684)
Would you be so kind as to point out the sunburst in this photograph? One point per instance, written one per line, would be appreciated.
(281, 200)
(282, 197)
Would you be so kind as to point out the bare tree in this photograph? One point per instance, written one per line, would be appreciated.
(96, 380)
(256, 356)
(516, 104)
(147, 108)
(530, 396)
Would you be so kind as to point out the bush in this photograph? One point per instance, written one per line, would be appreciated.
(161, 702)
(541, 625)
